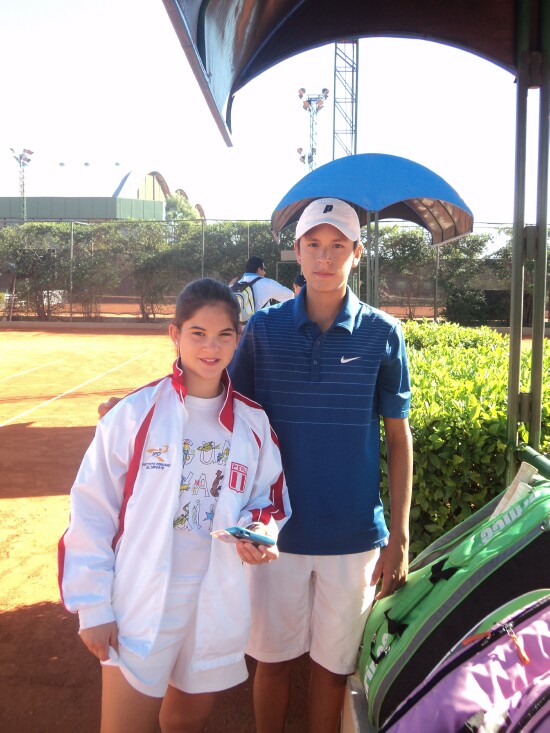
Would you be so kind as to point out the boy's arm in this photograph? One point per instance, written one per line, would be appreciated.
(393, 563)
(241, 369)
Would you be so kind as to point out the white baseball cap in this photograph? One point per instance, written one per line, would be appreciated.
(330, 211)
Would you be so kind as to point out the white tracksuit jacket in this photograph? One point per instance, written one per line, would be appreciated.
(115, 557)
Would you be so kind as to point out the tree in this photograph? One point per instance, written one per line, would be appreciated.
(502, 261)
(98, 266)
(178, 208)
(404, 257)
(461, 263)
(459, 260)
(147, 248)
(229, 244)
(34, 249)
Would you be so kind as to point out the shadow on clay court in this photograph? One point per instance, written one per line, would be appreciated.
(50, 682)
(38, 461)
(45, 395)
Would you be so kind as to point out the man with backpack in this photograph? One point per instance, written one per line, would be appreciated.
(254, 290)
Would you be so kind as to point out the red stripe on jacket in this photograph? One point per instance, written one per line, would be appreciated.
(133, 469)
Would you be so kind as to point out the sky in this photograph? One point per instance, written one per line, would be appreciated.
(107, 83)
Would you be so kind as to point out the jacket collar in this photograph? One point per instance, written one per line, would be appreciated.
(226, 416)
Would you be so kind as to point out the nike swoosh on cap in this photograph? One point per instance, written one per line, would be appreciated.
(343, 360)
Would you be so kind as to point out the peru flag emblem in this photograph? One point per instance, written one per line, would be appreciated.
(237, 477)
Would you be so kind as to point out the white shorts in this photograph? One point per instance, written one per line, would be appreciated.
(311, 603)
(169, 660)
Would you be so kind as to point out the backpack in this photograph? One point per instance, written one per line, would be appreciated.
(501, 674)
(489, 563)
(245, 295)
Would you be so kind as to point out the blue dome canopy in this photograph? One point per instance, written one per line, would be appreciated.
(392, 187)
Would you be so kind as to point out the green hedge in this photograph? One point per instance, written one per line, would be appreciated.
(459, 382)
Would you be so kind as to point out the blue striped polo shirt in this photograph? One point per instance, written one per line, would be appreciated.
(324, 394)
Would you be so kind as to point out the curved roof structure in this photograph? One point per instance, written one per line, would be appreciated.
(150, 186)
(228, 44)
(391, 186)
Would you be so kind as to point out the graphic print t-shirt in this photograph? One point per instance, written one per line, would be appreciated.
(205, 452)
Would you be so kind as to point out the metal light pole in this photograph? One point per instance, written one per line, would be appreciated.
(23, 159)
(312, 104)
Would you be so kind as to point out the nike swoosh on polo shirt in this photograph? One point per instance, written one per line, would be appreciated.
(343, 360)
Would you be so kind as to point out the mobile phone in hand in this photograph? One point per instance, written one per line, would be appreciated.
(232, 534)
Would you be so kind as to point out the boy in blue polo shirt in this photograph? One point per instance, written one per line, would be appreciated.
(326, 367)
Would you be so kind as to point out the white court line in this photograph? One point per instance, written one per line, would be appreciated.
(73, 389)
(32, 369)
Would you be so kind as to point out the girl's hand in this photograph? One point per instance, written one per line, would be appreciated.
(256, 554)
(98, 639)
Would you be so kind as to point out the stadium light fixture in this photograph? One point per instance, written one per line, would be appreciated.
(313, 104)
(23, 159)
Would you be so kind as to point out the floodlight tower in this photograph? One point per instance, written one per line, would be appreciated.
(344, 142)
(23, 159)
(346, 67)
(312, 104)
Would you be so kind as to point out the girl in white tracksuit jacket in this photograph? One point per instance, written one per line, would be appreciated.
(161, 604)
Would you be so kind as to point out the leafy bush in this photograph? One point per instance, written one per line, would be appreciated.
(467, 307)
(458, 420)
(423, 334)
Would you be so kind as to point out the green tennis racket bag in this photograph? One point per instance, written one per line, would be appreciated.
(471, 571)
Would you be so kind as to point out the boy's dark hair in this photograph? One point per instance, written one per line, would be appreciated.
(253, 264)
(205, 291)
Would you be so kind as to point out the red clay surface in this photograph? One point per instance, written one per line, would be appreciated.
(50, 385)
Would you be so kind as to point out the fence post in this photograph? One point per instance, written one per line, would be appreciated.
(71, 274)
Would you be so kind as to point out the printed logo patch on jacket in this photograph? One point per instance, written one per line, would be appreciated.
(157, 457)
(237, 477)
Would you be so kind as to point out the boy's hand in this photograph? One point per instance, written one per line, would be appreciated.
(98, 639)
(391, 568)
(104, 407)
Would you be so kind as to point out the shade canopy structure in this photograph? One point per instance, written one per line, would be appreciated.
(229, 43)
(387, 185)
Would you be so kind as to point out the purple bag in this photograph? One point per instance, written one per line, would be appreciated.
(485, 685)
(528, 712)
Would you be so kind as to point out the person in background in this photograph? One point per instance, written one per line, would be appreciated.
(264, 288)
(327, 369)
(162, 604)
(298, 284)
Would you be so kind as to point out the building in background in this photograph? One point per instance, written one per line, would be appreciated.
(99, 197)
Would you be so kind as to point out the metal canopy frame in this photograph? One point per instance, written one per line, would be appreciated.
(228, 45)
(533, 66)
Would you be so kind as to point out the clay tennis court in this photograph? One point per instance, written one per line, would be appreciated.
(51, 382)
